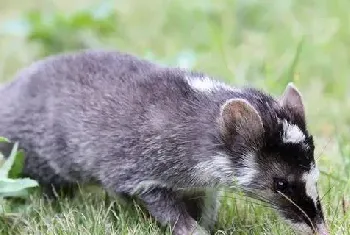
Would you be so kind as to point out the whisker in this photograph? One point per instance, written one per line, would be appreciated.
(207, 214)
(301, 210)
(263, 201)
(235, 198)
(251, 197)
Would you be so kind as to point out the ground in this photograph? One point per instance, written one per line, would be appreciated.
(244, 42)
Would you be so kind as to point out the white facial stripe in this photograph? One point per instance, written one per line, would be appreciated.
(310, 178)
(247, 173)
(292, 133)
(206, 84)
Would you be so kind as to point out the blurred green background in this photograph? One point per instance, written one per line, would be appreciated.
(260, 43)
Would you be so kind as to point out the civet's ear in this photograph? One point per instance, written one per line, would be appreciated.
(238, 117)
(292, 100)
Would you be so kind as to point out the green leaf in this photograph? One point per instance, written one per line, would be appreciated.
(16, 187)
(17, 166)
(6, 167)
(18, 194)
(3, 139)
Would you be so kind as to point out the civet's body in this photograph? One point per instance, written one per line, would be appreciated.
(162, 134)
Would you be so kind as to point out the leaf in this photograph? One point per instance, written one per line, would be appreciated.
(6, 167)
(17, 166)
(16, 187)
(3, 139)
(18, 194)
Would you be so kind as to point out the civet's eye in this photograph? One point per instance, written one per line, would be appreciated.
(280, 185)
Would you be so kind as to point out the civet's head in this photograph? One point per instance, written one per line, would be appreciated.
(274, 155)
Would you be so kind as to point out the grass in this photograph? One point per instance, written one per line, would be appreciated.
(261, 43)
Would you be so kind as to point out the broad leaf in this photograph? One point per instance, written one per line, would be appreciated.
(6, 167)
(3, 139)
(16, 187)
(17, 166)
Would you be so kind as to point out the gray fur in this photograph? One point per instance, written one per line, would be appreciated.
(132, 127)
